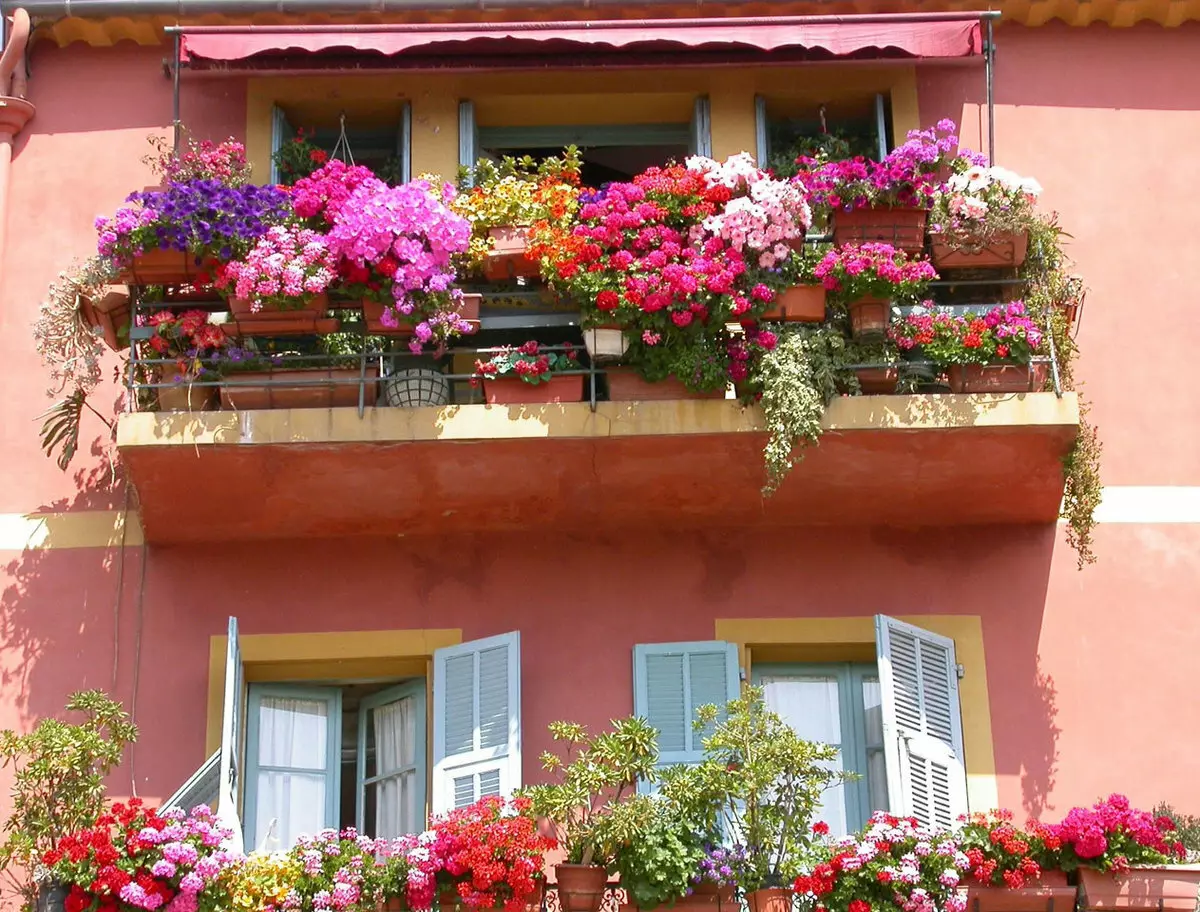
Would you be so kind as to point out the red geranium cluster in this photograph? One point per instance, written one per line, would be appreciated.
(320, 196)
(188, 337)
(998, 852)
(1111, 835)
(528, 362)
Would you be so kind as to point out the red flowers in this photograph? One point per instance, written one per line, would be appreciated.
(820, 828)
(859, 905)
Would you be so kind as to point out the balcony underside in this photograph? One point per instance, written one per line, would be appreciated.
(884, 460)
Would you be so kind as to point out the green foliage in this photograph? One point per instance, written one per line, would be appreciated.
(657, 851)
(58, 781)
(767, 782)
(798, 380)
(699, 359)
(527, 169)
(60, 427)
(298, 157)
(594, 774)
(1187, 829)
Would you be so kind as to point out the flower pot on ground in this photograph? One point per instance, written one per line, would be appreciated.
(869, 317)
(1048, 894)
(1169, 888)
(581, 888)
(1003, 250)
(798, 304)
(626, 385)
(902, 228)
(997, 378)
(605, 343)
(771, 899)
(292, 388)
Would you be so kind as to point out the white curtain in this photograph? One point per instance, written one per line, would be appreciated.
(810, 705)
(876, 764)
(395, 760)
(293, 737)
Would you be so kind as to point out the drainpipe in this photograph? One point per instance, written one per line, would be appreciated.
(15, 111)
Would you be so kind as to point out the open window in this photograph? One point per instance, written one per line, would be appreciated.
(844, 126)
(378, 135)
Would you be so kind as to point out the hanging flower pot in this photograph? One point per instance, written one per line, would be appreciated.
(1049, 894)
(799, 304)
(997, 378)
(902, 228)
(1003, 250)
(771, 899)
(605, 343)
(1171, 888)
(626, 385)
(274, 320)
(506, 257)
(416, 387)
(869, 316)
(289, 388)
(515, 391)
(877, 381)
(110, 314)
(581, 888)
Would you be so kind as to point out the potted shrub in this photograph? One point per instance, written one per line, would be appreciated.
(508, 201)
(981, 217)
(767, 782)
(1124, 858)
(980, 354)
(1003, 872)
(595, 774)
(525, 374)
(58, 771)
(871, 279)
(884, 202)
(657, 851)
(183, 345)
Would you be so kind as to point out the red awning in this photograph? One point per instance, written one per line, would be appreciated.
(832, 36)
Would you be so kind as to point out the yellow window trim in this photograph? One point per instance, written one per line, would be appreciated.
(844, 639)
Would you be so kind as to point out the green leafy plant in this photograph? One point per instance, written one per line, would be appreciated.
(298, 157)
(797, 379)
(699, 359)
(657, 849)
(594, 774)
(58, 782)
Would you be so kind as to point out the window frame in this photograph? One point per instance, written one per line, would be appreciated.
(416, 690)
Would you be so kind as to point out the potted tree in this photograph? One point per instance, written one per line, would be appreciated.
(594, 775)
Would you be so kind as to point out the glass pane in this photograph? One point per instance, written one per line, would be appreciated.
(877, 792)
(287, 806)
(391, 738)
(873, 712)
(391, 807)
(293, 733)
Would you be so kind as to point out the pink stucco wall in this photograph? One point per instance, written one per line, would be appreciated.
(1088, 672)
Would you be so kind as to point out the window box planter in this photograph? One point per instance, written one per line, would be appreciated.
(163, 266)
(627, 385)
(373, 314)
(1007, 250)
(799, 304)
(277, 321)
(506, 259)
(1050, 894)
(997, 378)
(111, 314)
(869, 317)
(1171, 888)
(877, 381)
(708, 897)
(902, 228)
(290, 388)
(515, 391)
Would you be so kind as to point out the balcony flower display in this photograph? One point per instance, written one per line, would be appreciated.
(319, 197)
(190, 341)
(224, 162)
(136, 858)
(334, 871)
(288, 268)
(524, 374)
(869, 279)
(982, 217)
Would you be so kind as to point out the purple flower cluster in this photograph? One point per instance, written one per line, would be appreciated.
(723, 866)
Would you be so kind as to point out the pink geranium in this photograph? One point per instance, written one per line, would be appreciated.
(287, 268)
(856, 271)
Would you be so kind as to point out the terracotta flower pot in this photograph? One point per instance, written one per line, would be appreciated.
(515, 391)
(580, 887)
(708, 897)
(1166, 889)
(869, 316)
(627, 385)
(1049, 894)
(162, 266)
(278, 321)
(111, 314)
(392, 904)
(902, 228)
(799, 304)
(997, 378)
(771, 899)
(506, 258)
(373, 314)
(289, 388)
(876, 381)
(1004, 250)
(184, 397)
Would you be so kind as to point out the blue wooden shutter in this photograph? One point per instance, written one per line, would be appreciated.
(701, 143)
(922, 724)
(404, 143)
(468, 138)
(281, 132)
(762, 138)
(476, 721)
(671, 681)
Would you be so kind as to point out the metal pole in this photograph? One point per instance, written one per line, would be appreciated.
(175, 92)
(989, 67)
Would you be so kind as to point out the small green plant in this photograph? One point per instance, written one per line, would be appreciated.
(58, 782)
(699, 360)
(595, 774)
(656, 848)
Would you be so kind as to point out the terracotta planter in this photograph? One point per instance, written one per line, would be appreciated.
(772, 899)
(161, 266)
(506, 259)
(581, 888)
(902, 228)
(278, 321)
(869, 316)
(373, 314)
(708, 897)
(997, 378)
(111, 314)
(392, 904)
(515, 391)
(877, 381)
(1166, 889)
(1007, 250)
(799, 304)
(627, 385)
(290, 388)
(1049, 894)
(184, 397)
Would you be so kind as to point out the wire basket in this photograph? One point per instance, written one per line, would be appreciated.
(416, 387)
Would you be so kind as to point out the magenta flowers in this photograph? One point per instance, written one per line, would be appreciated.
(873, 270)
(286, 269)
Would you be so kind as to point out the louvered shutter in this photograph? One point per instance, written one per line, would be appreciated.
(476, 721)
(202, 787)
(701, 143)
(761, 136)
(671, 681)
(922, 726)
(281, 132)
(232, 722)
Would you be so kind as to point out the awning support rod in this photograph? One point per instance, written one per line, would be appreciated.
(989, 75)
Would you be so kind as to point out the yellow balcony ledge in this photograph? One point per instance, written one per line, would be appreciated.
(906, 460)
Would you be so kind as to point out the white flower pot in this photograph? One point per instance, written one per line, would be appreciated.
(605, 344)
